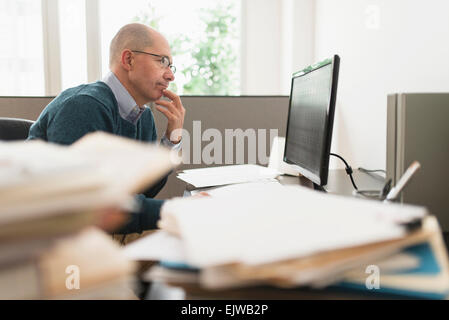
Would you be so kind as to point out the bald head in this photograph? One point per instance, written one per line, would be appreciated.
(134, 36)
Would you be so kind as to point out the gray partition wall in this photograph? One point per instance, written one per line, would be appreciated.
(258, 114)
(23, 107)
(244, 120)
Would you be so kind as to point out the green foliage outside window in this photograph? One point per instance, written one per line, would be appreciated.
(210, 62)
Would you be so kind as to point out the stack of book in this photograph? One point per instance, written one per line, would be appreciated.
(51, 197)
(251, 235)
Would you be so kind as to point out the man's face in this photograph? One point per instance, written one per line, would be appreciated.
(148, 76)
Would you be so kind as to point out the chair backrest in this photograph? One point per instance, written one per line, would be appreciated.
(14, 129)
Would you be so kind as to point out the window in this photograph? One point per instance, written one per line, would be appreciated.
(21, 52)
(204, 36)
(72, 23)
(220, 47)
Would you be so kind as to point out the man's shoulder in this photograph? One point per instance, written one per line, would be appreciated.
(95, 93)
(92, 98)
(97, 89)
(75, 112)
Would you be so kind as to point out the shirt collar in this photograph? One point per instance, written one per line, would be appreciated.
(127, 106)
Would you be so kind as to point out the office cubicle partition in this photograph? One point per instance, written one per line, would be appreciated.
(208, 120)
(418, 130)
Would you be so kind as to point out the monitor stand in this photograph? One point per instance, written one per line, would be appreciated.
(303, 181)
(318, 187)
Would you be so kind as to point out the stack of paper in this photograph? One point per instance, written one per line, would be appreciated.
(42, 178)
(276, 222)
(84, 265)
(219, 176)
(255, 234)
(50, 195)
(427, 277)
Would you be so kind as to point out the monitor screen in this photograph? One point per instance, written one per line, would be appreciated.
(310, 119)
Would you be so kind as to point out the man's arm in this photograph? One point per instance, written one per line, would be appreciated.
(174, 111)
(144, 219)
(154, 189)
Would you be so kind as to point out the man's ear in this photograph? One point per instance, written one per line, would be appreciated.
(127, 59)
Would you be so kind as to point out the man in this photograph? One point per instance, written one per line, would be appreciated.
(140, 71)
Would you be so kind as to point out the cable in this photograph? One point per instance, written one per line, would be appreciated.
(372, 194)
(366, 170)
(348, 169)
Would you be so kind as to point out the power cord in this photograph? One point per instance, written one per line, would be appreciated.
(374, 194)
(348, 169)
(369, 171)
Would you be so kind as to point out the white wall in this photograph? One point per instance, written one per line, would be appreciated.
(385, 46)
(260, 47)
(277, 40)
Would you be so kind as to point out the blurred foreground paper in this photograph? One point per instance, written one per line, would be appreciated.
(50, 195)
(259, 234)
(263, 223)
(99, 170)
(104, 273)
(155, 247)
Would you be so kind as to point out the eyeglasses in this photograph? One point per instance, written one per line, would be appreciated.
(165, 61)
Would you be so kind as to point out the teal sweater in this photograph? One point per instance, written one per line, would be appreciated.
(93, 107)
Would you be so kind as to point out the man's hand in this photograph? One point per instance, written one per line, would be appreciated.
(201, 194)
(175, 112)
(110, 219)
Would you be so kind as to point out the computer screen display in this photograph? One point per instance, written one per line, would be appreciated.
(310, 119)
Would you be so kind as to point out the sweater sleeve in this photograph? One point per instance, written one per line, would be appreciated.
(145, 218)
(78, 116)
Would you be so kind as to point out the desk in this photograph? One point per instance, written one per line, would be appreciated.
(338, 182)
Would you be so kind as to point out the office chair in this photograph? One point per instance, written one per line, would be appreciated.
(14, 129)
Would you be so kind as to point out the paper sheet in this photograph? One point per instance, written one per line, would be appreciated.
(218, 176)
(155, 247)
(224, 190)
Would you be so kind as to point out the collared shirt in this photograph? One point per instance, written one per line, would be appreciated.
(127, 106)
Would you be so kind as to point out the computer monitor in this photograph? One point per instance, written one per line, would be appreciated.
(310, 119)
